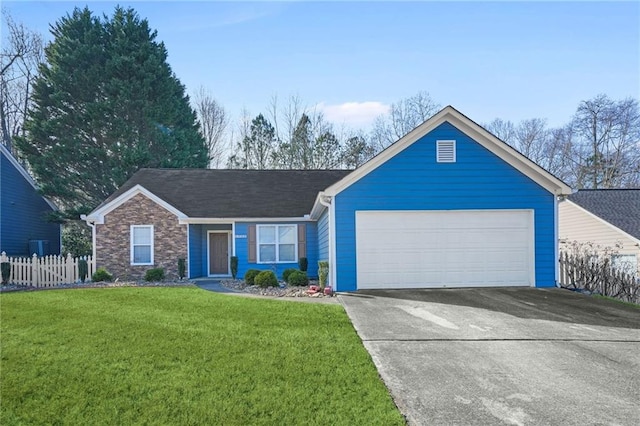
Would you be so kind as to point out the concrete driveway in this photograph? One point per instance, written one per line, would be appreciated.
(503, 356)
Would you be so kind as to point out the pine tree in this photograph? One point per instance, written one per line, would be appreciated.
(106, 103)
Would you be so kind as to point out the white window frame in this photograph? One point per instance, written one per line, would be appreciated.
(441, 144)
(626, 263)
(277, 243)
(131, 258)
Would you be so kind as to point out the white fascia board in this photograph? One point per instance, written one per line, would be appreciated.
(97, 216)
(227, 220)
(475, 132)
(510, 155)
(318, 207)
(601, 220)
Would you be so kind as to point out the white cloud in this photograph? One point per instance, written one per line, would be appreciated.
(354, 114)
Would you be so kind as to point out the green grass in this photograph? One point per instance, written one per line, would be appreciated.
(182, 356)
(613, 299)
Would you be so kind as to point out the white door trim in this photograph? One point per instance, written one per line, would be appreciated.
(229, 248)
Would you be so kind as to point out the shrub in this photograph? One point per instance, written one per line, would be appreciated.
(6, 272)
(303, 264)
(323, 273)
(250, 276)
(83, 269)
(298, 278)
(154, 274)
(286, 273)
(100, 275)
(234, 266)
(266, 279)
(182, 268)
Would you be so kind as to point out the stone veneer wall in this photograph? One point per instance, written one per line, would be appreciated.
(113, 239)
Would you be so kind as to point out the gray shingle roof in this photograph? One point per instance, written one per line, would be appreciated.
(619, 207)
(235, 193)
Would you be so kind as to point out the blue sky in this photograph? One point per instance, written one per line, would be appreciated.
(513, 60)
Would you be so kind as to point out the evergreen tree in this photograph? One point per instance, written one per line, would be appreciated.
(106, 103)
(256, 150)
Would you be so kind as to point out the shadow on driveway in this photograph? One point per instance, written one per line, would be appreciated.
(553, 304)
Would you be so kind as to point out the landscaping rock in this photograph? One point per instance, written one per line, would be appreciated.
(282, 290)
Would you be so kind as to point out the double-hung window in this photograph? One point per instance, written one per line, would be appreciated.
(277, 243)
(142, 244)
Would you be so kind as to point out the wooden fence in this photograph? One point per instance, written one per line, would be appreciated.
(598, 276)
(47, 271)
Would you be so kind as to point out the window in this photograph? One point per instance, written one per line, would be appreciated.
(277, 243)
(446, 151)
(626, 263)
(142, 244)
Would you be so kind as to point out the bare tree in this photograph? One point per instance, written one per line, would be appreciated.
(607, 143)
(504, 130)
(213, 125)
(404, 116)
(21, 55)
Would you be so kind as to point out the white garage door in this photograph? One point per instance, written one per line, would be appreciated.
(461, 248)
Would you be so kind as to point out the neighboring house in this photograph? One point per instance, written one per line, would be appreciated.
(606, 218)
(24, 225)
(448, 205)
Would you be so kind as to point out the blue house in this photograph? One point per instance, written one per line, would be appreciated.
(24, 228)
(448, 205)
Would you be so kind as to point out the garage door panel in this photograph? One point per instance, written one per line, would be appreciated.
(416, 249)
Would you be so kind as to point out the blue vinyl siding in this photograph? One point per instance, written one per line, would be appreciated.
(412, 180)
(323, 236)
(23, 214)
(198, 249)
(242, 250)
(195, 251)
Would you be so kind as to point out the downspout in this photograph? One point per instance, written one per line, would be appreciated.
(327, 202)
(92, 224)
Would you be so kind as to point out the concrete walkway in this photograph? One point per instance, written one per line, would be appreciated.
(503, 356)
(213, 285)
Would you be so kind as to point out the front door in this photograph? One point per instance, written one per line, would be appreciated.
(219, 253)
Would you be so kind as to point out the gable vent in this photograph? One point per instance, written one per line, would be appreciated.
(446, 151)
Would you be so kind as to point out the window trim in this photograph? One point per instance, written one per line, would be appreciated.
(619, 264)
(277, 243)
(441, 144)
(131, 245)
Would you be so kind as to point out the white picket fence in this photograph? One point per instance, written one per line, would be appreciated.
(47, 271)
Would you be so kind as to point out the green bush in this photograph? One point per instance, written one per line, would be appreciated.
(250, 276)
(234, 266)
(286, 273)
(182, 268)
(83, 269)
(266, 279)
(298, 278)
(303, 264)
(6, 272)
(323, 273)
(100, 275)
(154, 274)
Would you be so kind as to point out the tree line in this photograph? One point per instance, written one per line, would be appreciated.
(100, 101)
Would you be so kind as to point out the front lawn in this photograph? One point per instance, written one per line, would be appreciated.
(182, 356)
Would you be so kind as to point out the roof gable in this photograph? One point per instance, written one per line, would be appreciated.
(98, 214)
(219, 194)
(475, 132)
(619, 208)
(23, 172)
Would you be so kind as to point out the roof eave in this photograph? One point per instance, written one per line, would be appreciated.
(474, 131)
